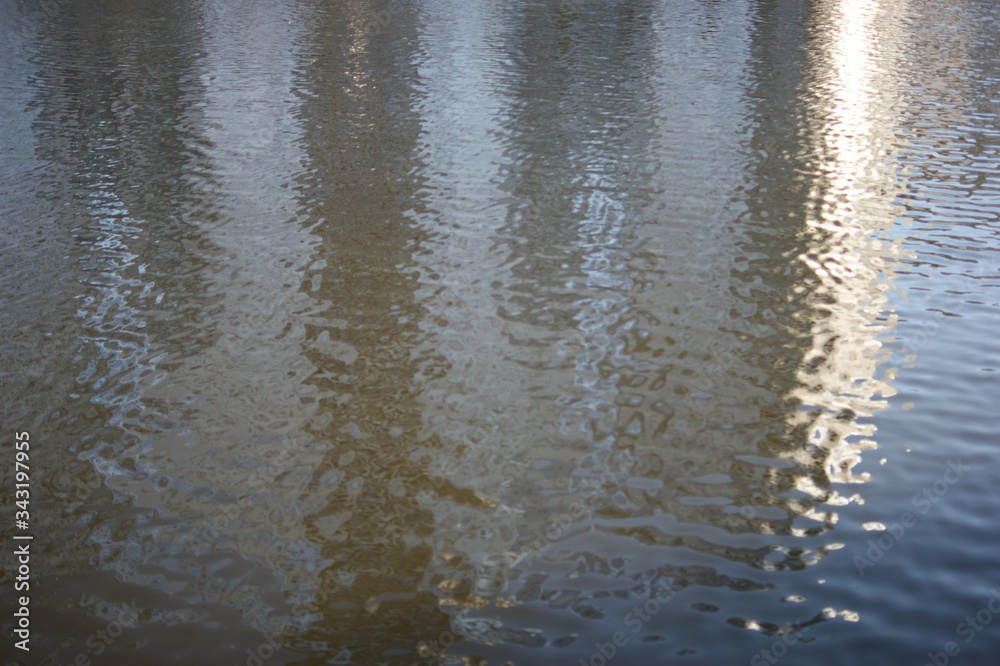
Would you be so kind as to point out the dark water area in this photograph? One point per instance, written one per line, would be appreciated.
(551, 332)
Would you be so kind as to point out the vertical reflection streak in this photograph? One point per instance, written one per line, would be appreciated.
(233, 450)
(603, 260)
(857, 189)
(470, 386)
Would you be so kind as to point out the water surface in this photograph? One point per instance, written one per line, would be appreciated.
(489, 333)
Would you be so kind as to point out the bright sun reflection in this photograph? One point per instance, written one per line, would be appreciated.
(857, 190)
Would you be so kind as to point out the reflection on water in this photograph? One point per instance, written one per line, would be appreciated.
(462, 333)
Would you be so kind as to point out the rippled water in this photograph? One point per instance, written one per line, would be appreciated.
(503, 333)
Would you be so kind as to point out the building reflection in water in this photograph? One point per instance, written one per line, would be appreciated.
(516, 317)
(724, 307)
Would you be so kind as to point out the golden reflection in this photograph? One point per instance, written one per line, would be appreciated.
(838, 389)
